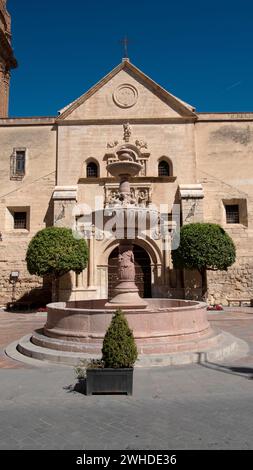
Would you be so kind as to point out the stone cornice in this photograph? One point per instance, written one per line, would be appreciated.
(221, 117)
(37, 120)
(201, 117)
(191, 191)
(65, 193)
(27, 121)
(120, 121)
(137, 179)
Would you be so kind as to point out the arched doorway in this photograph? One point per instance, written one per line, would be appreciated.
(142, 268)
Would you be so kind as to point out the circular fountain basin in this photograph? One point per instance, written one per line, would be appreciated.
(163, 326)
(124, 168)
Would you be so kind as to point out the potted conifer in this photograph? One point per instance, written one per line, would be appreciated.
(119, 353)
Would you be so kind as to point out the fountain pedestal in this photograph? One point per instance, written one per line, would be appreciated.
(126, 293)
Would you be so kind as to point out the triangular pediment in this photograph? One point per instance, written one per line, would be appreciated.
(127, 93)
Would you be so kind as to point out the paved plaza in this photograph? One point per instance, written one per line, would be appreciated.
(199, 406)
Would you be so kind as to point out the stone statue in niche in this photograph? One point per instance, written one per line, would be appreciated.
(143, 198)
(127, 131)
(126, 270)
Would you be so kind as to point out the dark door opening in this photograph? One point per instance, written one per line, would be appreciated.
(142, 269)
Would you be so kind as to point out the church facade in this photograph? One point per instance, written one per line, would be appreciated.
(53, 172)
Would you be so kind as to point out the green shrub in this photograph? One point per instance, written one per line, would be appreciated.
(54, 251)
(119, 348)
(204, 246)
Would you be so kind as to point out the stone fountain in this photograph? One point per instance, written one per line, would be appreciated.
(166, 331)
(126, 293)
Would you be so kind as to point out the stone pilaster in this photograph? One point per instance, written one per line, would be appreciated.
(192, 211)
(191, 203)
(64, 198)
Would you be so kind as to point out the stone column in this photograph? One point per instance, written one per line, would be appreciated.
(79, 280)
(91, 264)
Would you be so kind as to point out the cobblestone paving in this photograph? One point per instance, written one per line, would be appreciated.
(201, 406)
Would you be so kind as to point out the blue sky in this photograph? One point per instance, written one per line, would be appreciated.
(201, 51)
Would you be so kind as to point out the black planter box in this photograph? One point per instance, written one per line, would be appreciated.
(109, 381)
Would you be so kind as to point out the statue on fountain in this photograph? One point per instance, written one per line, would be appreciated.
(126, 269)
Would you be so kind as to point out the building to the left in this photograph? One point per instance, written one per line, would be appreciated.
(17, 194)
(7, 58)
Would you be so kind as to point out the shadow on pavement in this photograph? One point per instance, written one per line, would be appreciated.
(246, 372)
(79, 387)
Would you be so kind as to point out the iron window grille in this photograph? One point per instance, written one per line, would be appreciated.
(20, 220)
(232, 214)
(92, 170)
(163, 169)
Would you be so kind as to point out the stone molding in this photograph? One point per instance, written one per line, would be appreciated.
(65, 193)
(191, 191)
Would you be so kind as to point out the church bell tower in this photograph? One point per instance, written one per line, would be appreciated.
(7, 58)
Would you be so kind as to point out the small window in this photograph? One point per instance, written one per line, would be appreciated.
(92, 170)
(20, 220)
(18, 161)
(232, 214)
(163, 168)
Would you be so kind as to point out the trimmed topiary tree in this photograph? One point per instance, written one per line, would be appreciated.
(204, 246)
(54, 251)
(119, 348)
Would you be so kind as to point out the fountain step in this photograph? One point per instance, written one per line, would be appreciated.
(226, 346)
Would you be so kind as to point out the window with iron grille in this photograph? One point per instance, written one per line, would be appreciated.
(18, 160)
(232, 214)
(20, 220)
(163, 168)
(92, 170)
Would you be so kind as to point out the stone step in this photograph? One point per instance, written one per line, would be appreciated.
(226, 346)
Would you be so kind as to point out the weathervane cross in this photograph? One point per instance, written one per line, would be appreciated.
(125, 43)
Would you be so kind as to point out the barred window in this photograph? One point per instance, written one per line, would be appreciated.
(92, 170)
(20, 220)
(18, 161)
(232, 214)
(163, 168)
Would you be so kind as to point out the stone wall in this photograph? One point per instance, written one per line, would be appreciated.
(236, 283)
(225, 168)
